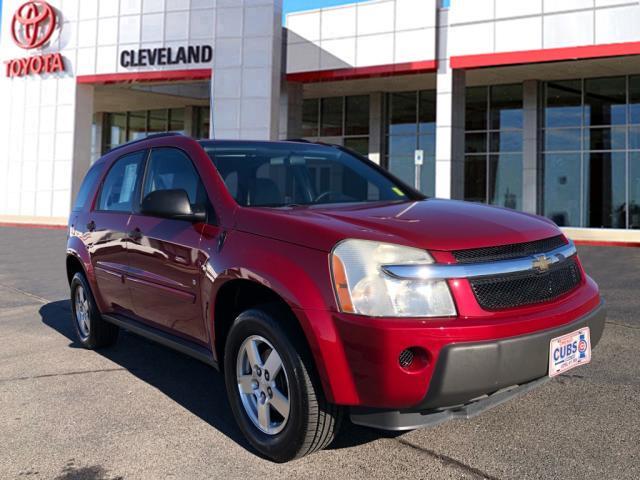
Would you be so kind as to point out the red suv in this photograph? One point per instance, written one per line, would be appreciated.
(321, 285)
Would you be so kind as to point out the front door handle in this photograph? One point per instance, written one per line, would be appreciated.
(135, 234)
(91, 226)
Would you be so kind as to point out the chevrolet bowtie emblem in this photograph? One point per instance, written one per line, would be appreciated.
(541, 263)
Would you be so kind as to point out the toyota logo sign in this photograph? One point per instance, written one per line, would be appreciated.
(33, 24)
(31, 27)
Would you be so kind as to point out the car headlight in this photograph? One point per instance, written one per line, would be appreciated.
(362, 286)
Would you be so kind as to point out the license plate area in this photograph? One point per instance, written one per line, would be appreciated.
(569, 351)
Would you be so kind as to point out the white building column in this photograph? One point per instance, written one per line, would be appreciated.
(530, 147)
(450, 106)
(83, 137)
(245, 90)
(291, 99)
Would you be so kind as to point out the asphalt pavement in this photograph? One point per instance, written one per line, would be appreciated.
(141, 411)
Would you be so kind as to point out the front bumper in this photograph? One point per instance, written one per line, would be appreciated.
(472, 377)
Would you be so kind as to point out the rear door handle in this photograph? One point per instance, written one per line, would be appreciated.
(91, 226)
(135, 234)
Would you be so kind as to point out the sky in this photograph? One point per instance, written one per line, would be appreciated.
(298, 5)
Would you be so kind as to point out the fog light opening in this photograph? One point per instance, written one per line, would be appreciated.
(414, 358)
(406, 358)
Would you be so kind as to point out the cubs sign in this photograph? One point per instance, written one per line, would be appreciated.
(32, 27)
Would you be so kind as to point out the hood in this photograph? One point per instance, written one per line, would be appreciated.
(430, 224)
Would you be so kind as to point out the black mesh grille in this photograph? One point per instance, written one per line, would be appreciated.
(506, 252)
(406, 358)
(520, 289)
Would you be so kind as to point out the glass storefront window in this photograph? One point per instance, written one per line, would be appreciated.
(410, 125)
(505, 141)
(203, 124)
(634, 190)
(176, 120)
(563, 104)
(634, 99)
(310, 117)
(588, 174)
(356, 119)
(137, 125)
(562, 139)
(346, 117)
(634, 138)
(117, 129)
(505, 180)
(402, 145)
(562, 188)
(476, 108)
(493, 145)
(605, 101)
(428, 175)
(605, 202)
(608, 138)
(128, 126)
(403, 113)
(358, 144)
(158, 121)
(427, 112)
(476, 142)
(475, 178)
(505, 107)
(331, 117)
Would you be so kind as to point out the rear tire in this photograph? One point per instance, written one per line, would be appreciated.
(92, 331)
(299, 420)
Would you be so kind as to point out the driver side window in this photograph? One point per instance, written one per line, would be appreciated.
(171, 169)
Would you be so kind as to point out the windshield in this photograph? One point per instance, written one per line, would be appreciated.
(286, 174)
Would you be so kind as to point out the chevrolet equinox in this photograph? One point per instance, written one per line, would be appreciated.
(322, 286)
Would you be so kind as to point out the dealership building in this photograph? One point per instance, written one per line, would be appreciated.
(527, 104)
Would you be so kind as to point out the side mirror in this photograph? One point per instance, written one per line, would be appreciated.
(172, 204)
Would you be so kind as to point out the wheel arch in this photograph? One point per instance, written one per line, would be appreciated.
(74, 265)
(236, 295)
(78, 259)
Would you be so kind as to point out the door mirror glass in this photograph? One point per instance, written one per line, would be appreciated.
(172, 204)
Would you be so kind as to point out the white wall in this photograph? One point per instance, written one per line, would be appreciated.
(45, 126)
(380, 32)
(493, 26)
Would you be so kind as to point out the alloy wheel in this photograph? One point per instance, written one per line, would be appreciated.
(263, 385)
(82, 311)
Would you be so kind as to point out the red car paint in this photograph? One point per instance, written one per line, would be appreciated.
(287, 251)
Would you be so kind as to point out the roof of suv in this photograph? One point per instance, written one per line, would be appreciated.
(217, 142)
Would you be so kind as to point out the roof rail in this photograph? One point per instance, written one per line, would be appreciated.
(149, 137)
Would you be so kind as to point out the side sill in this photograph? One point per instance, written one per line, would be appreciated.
(163, 338)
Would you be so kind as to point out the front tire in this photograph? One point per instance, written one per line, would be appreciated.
(92, 331)
(280, 409)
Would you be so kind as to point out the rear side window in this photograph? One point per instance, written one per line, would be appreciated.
(172, 169)
(118, 189)
(88, 187)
